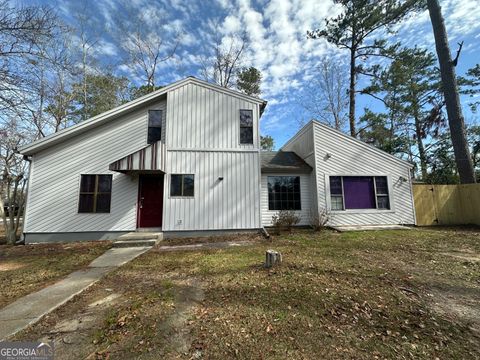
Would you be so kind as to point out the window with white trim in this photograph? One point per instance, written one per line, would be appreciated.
(182, 185)
(284, 193)
(359, 192)
(246, 126)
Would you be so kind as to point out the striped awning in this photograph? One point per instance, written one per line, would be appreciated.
(150, 158)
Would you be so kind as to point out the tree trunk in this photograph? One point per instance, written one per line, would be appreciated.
(351, 115)
(452, 100)
(418, 133)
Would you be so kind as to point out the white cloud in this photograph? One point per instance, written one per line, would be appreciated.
(106, 48)
(231, 24)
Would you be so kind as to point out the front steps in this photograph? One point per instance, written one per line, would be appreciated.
(138, 239)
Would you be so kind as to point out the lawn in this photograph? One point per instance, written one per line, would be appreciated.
(28, 268)
(360, 295)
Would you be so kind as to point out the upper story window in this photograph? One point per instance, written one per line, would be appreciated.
(154, 126)
(246, 126)
(359, 192)
(95, 194)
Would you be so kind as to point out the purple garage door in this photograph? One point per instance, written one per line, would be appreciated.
(359, 192)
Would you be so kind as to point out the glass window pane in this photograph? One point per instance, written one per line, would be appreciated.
(383, 203)
(359, 192)
(105, 183)
(176, 185)
(284, 193)
(246, 118)
(335, 185)
(87, 183)
(188, 185)
(298, 205)
(155, 118)
(103, 203)
(154, 134)
(337, 203)
(246, 135)
(381, 185)
(85, 204)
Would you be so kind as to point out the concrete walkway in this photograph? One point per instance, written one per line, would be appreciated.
(31, 308)
(345, 228)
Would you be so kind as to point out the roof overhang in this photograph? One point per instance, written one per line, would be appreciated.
(150, 159)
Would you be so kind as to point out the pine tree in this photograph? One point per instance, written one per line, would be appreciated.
(249, 80)
(352, 29)
(452, 98)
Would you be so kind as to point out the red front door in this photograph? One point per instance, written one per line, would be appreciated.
(150, 201)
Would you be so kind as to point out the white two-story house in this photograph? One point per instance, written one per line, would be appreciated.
(186, 159)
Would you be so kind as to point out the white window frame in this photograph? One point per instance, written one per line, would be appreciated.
(328, 200)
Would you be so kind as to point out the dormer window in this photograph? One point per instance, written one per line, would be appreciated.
(246, 126)
(154, 126)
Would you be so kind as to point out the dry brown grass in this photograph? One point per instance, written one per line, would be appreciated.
(28, 268)
(359, 295)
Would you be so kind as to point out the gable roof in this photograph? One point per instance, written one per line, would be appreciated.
(283, 161)
(313, 123)
(105, 117)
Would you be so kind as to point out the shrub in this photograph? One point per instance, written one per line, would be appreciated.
(318, 221)
(284, 220)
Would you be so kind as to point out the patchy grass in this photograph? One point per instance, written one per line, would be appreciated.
(28, 268)
(359, 295)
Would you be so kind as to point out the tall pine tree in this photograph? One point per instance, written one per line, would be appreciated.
(353, 28)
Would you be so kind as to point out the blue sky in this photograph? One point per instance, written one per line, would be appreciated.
(276, 31)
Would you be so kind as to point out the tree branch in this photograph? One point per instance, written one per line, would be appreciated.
(455, 61)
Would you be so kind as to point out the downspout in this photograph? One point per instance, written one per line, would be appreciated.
(265, 232)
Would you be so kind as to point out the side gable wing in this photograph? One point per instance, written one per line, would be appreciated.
(356, 145)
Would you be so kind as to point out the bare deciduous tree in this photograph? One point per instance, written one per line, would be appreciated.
(13, 178)
(88, 39)
(148, 40)
(24, 31)
(325, 97)
(224, 59)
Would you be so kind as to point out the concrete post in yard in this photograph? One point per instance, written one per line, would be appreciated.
(272, 258)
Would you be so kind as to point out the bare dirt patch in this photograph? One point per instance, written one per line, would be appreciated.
(8, 266)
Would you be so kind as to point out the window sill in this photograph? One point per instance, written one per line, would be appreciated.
(182, 197)
(362, 211)
(93, 213)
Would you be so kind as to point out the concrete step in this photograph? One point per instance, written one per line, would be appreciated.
(138, 239)
(134, 243)
(141, 236)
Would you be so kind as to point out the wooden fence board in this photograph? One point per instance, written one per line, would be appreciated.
(447, 204)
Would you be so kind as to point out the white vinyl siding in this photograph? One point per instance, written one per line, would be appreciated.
(231, 203)
(305, 197)
(203, 118)
(349, 157)
(54, 186)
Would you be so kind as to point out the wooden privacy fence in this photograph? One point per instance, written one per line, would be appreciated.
(447, 204)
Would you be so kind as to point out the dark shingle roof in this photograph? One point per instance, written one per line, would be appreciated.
(283, 161)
